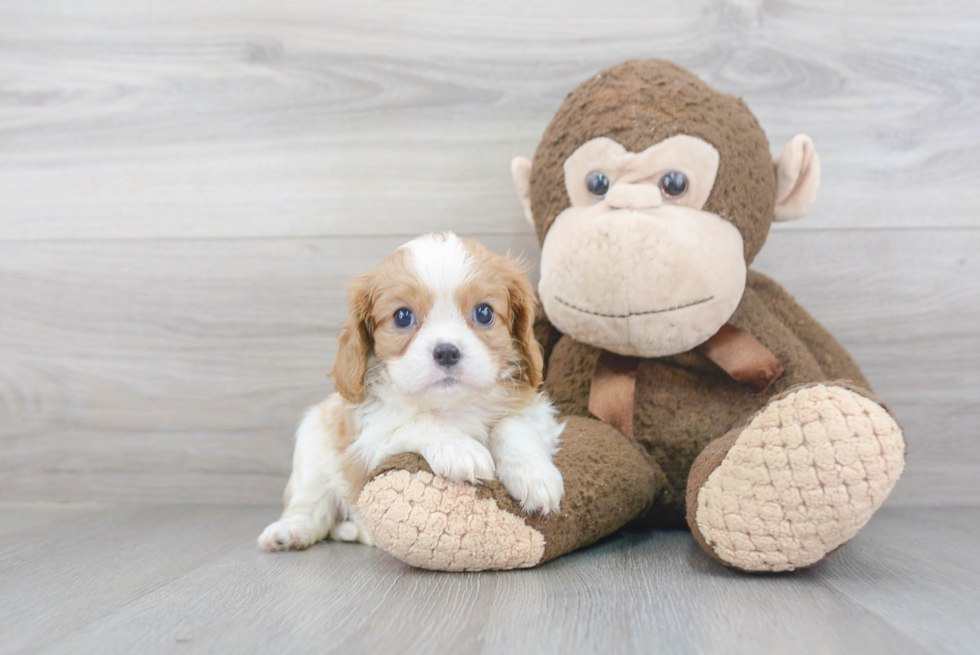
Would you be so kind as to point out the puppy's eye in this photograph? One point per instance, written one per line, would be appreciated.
(598, 183)
(483, 314)
(673, 184)
(404, 318)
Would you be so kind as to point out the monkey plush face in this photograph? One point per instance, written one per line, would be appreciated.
(651, 193)
(671, 274)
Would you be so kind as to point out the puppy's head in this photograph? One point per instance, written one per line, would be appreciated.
(445, 317)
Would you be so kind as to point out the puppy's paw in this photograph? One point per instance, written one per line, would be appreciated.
(460, 459)
(538, 487)
(294, 532)
(351, 531)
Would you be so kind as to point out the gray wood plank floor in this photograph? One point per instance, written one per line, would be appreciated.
(161, 579)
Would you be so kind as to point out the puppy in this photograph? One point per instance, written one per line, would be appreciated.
(439, 359)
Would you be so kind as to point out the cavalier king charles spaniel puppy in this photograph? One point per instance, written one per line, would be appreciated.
(438, 358)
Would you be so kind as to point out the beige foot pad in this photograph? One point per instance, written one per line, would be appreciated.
(803, 477)
(426, 521)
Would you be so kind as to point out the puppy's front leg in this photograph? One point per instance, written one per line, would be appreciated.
(523, 446)
(451, 453)
(459, 458)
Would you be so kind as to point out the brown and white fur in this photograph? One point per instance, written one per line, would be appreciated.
(479, 416)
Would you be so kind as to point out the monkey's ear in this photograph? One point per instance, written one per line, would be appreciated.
(520, 170)
(797, 178)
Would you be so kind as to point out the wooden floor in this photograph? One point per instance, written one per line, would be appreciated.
(189, 579)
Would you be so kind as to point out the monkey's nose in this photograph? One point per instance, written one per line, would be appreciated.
(634, 196)
(446, 354)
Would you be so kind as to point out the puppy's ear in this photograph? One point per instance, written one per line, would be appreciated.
(355, 344)
(522, 304)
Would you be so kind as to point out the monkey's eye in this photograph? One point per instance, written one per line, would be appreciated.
(483, 314)
(404, 318)
(673, 184)
(598, 183)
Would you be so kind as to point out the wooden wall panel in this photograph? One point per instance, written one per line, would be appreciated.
(235, 119)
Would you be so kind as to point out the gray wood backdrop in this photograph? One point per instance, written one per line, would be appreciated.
(186, 187)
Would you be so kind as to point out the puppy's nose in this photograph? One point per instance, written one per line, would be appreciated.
(446, 354)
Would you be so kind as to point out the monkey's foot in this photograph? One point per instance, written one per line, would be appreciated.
(427, 521)
(797, 482)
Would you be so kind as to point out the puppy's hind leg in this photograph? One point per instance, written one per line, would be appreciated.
(315, 497)
(353, 529)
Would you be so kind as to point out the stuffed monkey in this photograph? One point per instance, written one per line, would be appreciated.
(692, 389)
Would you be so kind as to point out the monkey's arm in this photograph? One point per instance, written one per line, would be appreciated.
(835, 361)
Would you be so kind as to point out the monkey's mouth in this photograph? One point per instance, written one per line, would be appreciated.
(652, 311)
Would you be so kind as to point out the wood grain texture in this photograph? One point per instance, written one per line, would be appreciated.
(187, 187)
(86, 564)
(260, 118)
(191, 578)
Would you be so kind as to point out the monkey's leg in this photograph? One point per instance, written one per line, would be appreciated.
(429, 522)
(797, 481)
